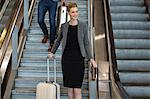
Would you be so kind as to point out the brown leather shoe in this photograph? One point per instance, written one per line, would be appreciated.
(45, 38)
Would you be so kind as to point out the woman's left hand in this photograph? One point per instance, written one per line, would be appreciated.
(94, 64)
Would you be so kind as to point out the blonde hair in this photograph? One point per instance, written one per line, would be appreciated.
(71, 5)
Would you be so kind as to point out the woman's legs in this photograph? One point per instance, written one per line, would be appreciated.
(74, 93)
(70, 93)
(77, 93)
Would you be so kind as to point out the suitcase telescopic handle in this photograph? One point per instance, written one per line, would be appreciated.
(48, 69)
(54, 70)
(48, 65)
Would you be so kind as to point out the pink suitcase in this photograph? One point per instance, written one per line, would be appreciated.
(48, 90)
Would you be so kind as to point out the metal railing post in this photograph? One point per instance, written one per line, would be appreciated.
(14, 48)
(26, 18)
(91, 30)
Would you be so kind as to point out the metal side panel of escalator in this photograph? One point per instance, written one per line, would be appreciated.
(131, 31)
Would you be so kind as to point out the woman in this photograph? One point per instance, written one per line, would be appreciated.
(75, 48)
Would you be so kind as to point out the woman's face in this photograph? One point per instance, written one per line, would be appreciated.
(73, 13)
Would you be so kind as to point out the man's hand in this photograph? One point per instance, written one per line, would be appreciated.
(63, 2)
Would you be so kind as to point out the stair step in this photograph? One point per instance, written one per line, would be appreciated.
(83, 18)
(39, 46)
(132, 43)
(32, 90)
(134, 77)
(129, 17)
(37, 62)
(82, 7)
(35, 50)
(126, 2)
(46, 19)
(29, 93)
(131, 25)
(39, 72)
(127, 9)
(40, 54)
(133, 65)
(82, 13)
(131, 34)
(32, 43)
(140, 54)
(36, 73)
(32, 82)
(33, 30)
(35, 24)
(138, 91)
(35, 38)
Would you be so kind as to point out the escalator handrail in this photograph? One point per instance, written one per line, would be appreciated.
(1, 3)
(111, 51)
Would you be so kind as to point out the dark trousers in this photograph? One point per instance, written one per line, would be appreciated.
(51, 7)
(147, 3)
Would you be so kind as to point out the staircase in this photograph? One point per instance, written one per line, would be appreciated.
(32, 69)
(131, 30)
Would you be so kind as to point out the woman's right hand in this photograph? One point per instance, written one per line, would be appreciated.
(63, 3)
(51, 55)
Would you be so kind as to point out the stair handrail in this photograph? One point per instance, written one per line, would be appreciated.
(93, 84)
(116, 84)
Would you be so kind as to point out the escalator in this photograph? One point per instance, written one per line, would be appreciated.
(11, 22)
(32, 68)
(5, 13)
(131, 31)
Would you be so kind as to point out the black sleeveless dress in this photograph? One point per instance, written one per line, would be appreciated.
(72, 60)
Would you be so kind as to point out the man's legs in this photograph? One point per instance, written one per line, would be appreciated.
(52, 16)
(147, 3)
(42, 9)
